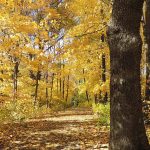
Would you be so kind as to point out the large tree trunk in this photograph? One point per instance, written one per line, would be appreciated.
(147, 40)
(127, 131)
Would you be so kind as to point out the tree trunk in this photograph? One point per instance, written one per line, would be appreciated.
(147, 41)
(57, 83)
(36, 87)
(63, 82)
(46, 92)
(103, 68)
(60, 81)
(52, 85)
(15, 80)
(127, 131)
(63, 88)
(60, 85)
(86, 92)
(67, 92)
(105, 97)
(2, 64)
(96, 99)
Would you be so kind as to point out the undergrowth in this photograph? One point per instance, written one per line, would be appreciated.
(103, 112)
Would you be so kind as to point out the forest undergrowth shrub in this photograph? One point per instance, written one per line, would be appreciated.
(85, 103)
(15, 111)
(103, 113)
(59, 105)
(20, 110)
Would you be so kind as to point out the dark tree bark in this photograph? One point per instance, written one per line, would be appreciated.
(67, 92)
(63, 88)
(147, 41)
(127, 131)
(96, 100)
(15, 79)
(60, 80)
(38, 75)
(103, 68)
(57, 83)
(52, 85)
(46, 90)
(63, 83)
(60, 84)
(86, 92)
(1, 63)
(105, 97)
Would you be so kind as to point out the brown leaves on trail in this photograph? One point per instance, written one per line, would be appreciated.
(53, 135)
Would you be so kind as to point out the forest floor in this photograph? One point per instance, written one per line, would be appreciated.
(74, 129)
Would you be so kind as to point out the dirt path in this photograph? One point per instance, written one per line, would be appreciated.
(70, 130)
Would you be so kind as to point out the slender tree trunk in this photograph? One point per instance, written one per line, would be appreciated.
(86, 92)
(103, 68)
(67, 92)
(36, 87)
(63, 88)
(1, 63)
(127, 131)
(60, 81)
(60, 85)
(46, 90)
(147, 41)
(87, 95)
(2, 72)
(95, 98)
(57, 84)
(63, 82)
(105, 97)
(15, 80)
(52, 85)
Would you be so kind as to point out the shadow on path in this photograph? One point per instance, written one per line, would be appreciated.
(62, 132)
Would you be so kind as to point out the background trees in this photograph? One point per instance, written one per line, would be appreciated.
(54, 54)
(51, 49)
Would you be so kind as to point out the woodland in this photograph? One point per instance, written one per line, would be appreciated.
(74, 74)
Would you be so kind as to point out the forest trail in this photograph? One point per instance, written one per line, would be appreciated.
(73, 129)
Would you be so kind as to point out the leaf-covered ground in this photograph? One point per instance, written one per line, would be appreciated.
(70, 130)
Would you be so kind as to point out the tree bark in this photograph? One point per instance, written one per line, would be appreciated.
(63, 82)
(60, 80)
(86, 92)
(46, 90)
(67, 92)
(52, 85)
(105, 97)
(37, 86)
(127, 131)
(147, 41)
(57, 83)
(96, 99)
(15, 79)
